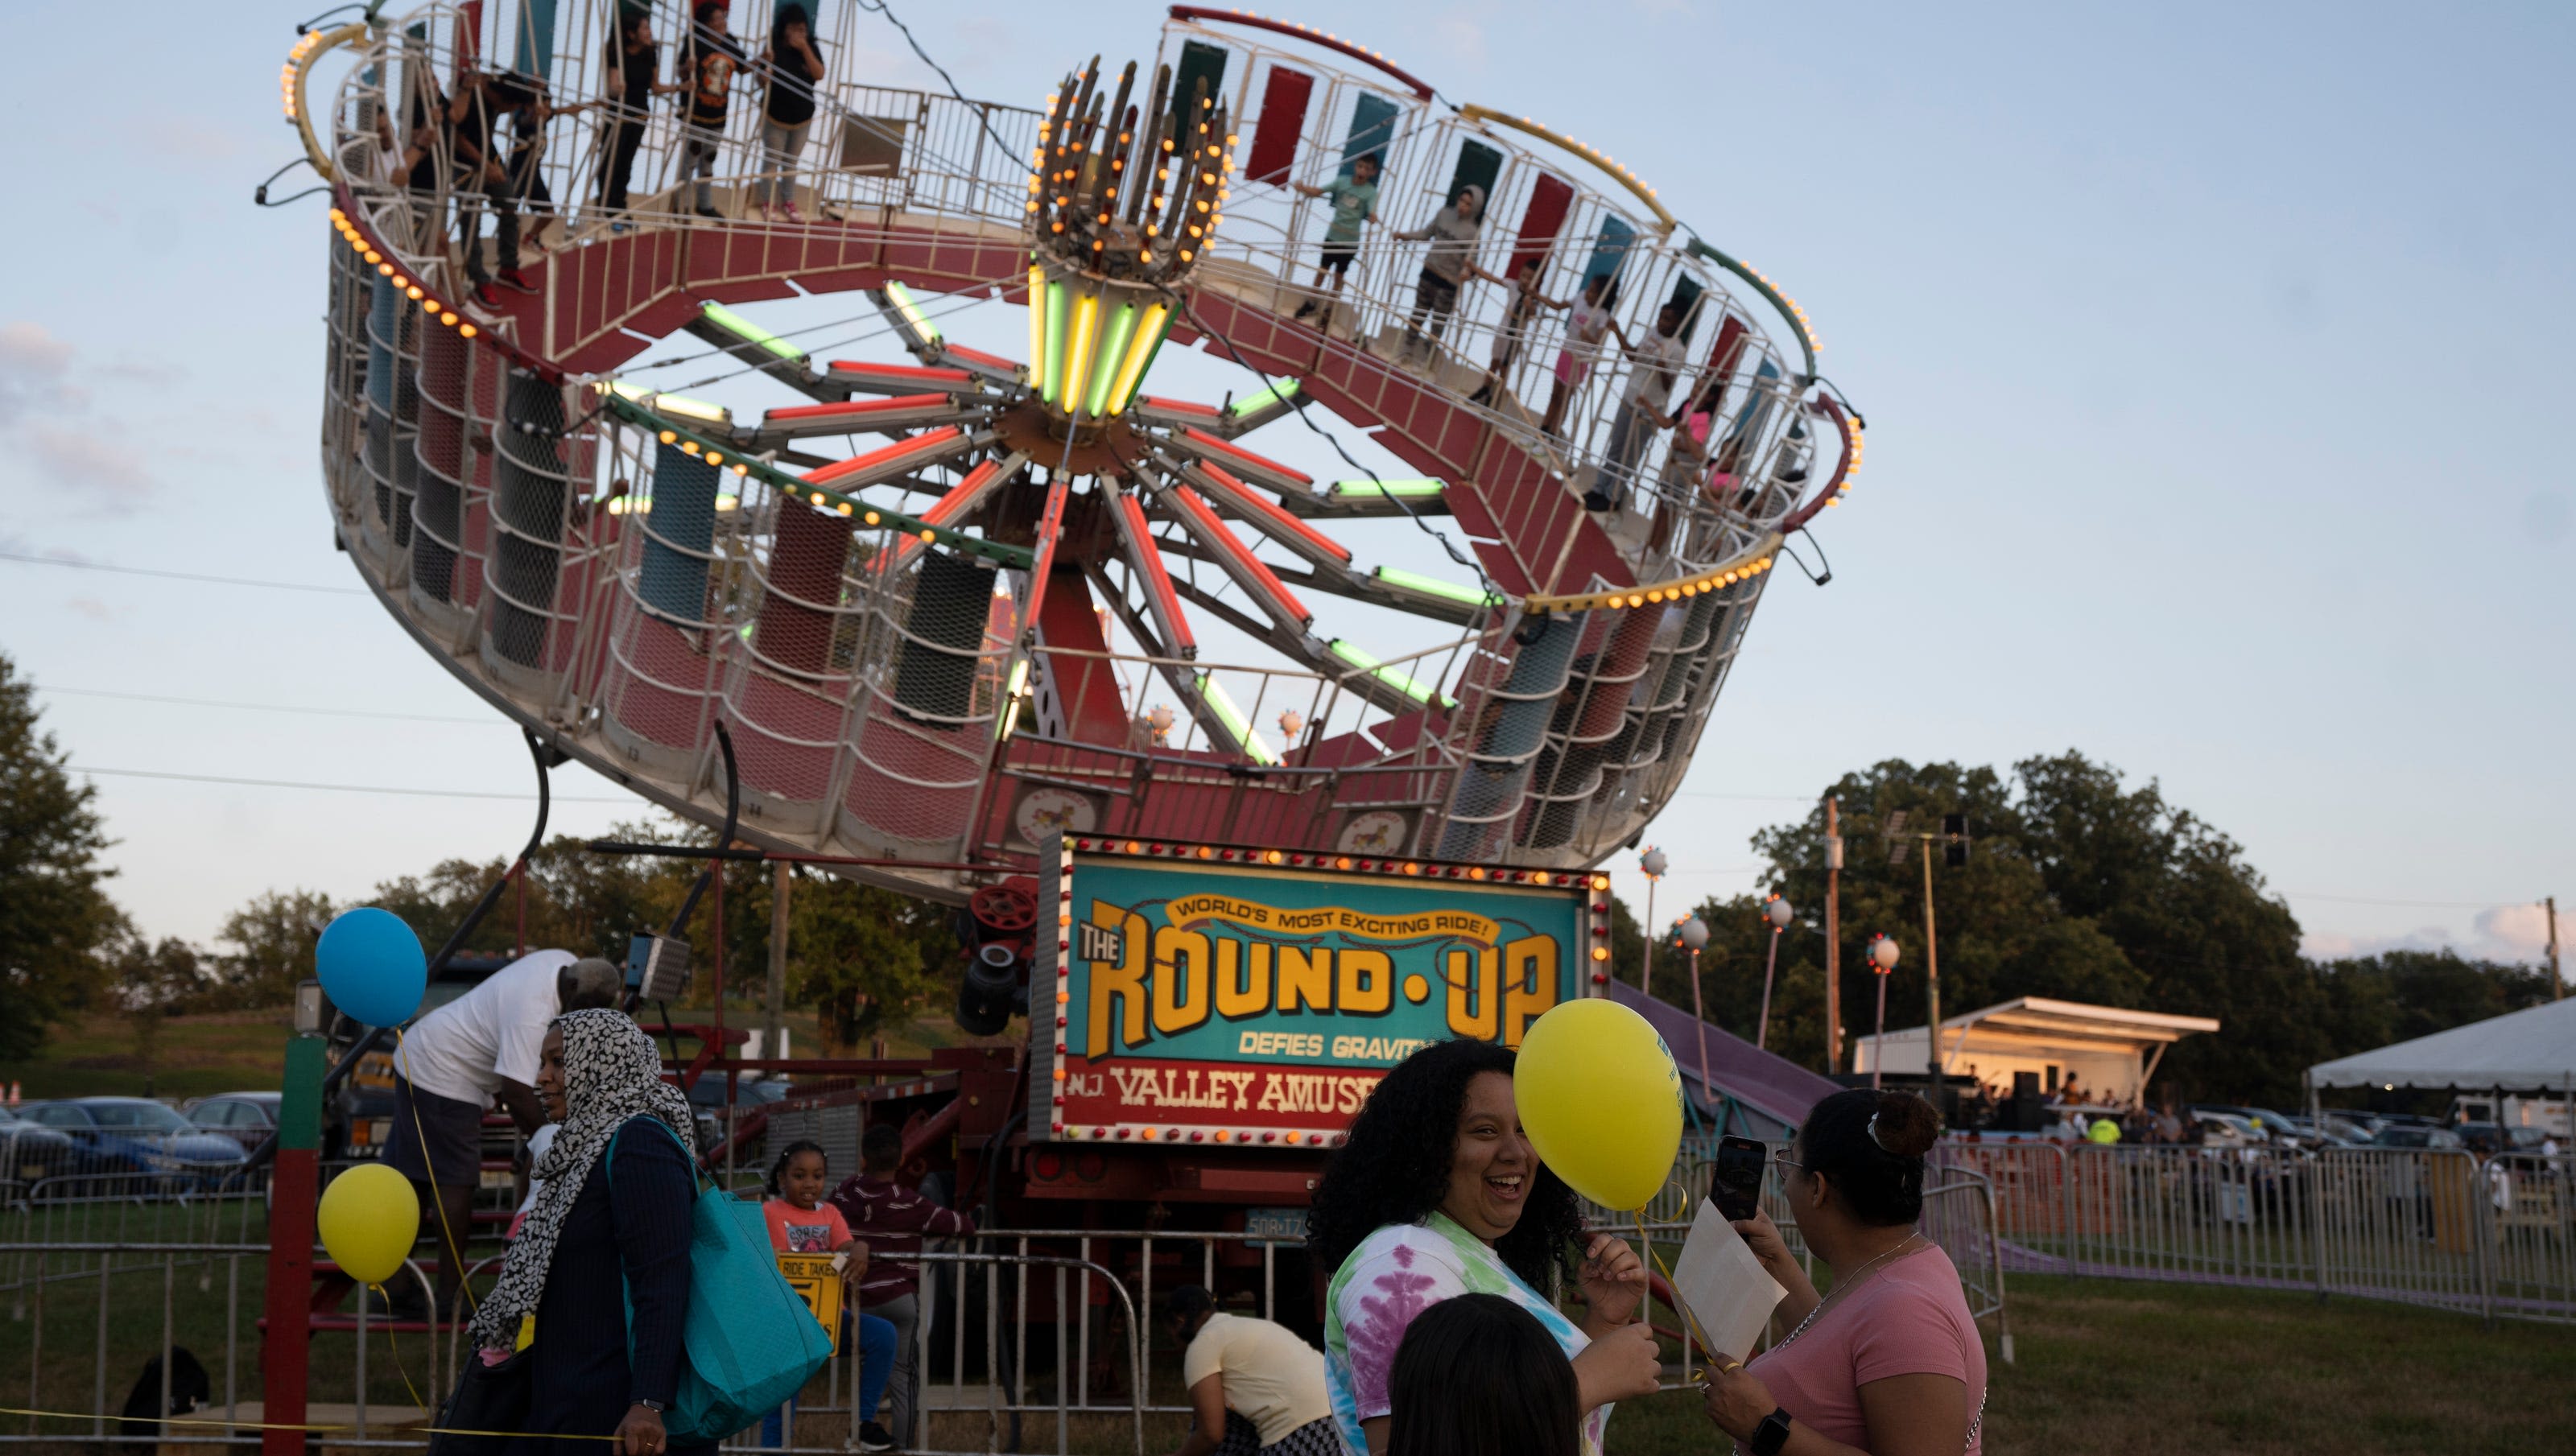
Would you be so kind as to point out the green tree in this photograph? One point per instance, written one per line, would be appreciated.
(55, 917)
(271, 946)
(154, 982)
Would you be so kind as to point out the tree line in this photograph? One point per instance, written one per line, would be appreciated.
(2079, 886)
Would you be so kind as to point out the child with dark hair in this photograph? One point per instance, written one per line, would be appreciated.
(709, 61)
(795, 68)
(1479, 1376)
(1515, 327)
(1656, 366)
(1585, 328)
(893, 1219)
(800, 1222)
(1891, 1360)
(635, 68)
(1353, 196)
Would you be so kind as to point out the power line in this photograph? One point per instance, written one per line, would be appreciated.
(263, 707)
(145, 773)
(345, 591)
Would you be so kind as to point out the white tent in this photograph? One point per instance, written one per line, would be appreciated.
(2532, 1050)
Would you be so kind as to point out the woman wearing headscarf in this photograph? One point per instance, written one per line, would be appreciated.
(603, 1259)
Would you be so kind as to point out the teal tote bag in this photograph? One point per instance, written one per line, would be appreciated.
(748, 1342)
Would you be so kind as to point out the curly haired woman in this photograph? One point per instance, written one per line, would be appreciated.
(1438, 1194)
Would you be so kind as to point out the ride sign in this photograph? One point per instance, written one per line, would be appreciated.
(1221, 995)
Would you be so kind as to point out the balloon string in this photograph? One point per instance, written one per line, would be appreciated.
(448, 1246)
(395, 1346)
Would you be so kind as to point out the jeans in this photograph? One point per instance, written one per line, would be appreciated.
(779, 145)
(905, 1315)
(876, 1362)
(698, 146)
(505, 232)
(1629, 433)
(617, 168)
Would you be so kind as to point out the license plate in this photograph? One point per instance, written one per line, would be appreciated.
(499, 1178)
(380, 1130)
(30, 1172)
(1286, 1224)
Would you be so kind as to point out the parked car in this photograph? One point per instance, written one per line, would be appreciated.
(2486, 1137)
(2437, 1138)
(140, 1138)
(2226, 1129)
(246, 1118)
(31, 1152)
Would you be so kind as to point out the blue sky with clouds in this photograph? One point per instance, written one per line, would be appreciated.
(2210, 354)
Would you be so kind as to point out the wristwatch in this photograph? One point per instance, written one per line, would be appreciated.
(1771, 1435)
(655, 1406)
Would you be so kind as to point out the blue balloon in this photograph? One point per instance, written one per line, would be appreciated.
(372, 966)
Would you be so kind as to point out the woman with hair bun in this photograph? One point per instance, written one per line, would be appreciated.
(1890, 1363)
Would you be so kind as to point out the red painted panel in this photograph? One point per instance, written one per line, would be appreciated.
(1550, 196)
(1283, 120)
(1086, 686)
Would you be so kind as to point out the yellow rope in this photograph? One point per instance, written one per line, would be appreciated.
(288, 1425)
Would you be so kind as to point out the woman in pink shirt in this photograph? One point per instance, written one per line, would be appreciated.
(1890, 1363)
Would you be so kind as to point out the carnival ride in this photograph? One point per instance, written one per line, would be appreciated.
(932, 653)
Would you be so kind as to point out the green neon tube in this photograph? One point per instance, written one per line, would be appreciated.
(1432, 586)
(1059, 329)
(911, 312)
(1275, 394)
(749, 332)
(1232, 719)
(1108, 359)
(1395, 678)
(1388, 489)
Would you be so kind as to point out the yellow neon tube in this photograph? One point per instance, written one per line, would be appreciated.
(1037, 328)
(1131, 373)
(1077, 357)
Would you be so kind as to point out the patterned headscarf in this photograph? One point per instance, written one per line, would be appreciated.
(611, 1073)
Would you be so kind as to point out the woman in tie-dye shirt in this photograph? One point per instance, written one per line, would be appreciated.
(1437, 1194)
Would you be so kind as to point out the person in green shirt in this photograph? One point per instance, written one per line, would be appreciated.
(1354, 199)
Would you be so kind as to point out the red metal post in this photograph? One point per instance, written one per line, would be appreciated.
(294, 1187)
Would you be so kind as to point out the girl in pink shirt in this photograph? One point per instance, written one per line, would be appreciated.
(1891, 1363)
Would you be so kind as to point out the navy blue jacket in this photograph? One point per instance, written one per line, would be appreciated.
(635, 1241)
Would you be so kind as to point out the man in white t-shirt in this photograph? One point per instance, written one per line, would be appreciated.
(1654, 366)
(1253, 1385)
(450, 1066)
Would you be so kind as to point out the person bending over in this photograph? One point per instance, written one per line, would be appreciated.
(1254, 1387)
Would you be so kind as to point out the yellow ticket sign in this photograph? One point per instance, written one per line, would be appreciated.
(816, 1278)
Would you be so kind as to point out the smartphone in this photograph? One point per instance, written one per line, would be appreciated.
(1735, 1183)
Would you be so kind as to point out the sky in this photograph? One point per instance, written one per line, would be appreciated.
(2208, 353)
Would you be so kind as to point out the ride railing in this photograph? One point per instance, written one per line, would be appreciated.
(939, 166)
(2494, 1236)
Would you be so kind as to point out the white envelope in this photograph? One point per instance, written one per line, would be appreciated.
(1728, 1292)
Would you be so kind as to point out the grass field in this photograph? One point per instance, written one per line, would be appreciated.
(2114, 1368)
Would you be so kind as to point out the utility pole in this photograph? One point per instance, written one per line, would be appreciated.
(1833, 940)
(774, 1011)
(2557, 984)
(1931, 974)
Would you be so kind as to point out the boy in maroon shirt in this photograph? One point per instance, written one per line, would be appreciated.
(892, 1220)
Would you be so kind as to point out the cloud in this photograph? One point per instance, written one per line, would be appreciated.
(183, 140)
(2511, 933)
(92, 608)
(1463, 34)
(111, 476)
(35, 371)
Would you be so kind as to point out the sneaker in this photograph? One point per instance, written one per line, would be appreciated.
(484, 295)
(1306, 309)
(513, 278)
(710, 212)
(873, 1437)
(792, 214)
(1594, 500)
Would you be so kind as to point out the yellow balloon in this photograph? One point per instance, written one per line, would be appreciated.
(368, 1219)
(1602, 1101)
